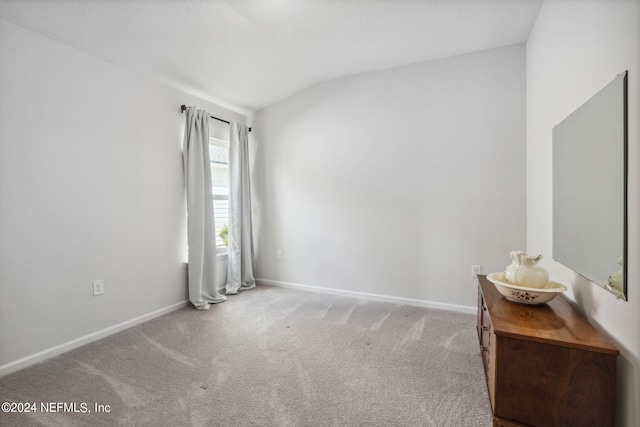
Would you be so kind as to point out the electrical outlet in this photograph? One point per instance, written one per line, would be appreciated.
(475, 270)
(279, 254)
(98, 287)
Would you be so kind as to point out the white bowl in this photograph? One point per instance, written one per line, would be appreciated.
(525, 295)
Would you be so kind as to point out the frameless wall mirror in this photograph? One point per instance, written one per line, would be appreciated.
(590, 189)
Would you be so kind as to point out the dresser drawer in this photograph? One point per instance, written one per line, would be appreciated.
(485, 339)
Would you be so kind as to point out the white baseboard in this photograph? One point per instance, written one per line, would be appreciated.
(86, 339)
(377, 297)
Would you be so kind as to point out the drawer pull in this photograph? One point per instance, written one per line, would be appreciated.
(485, 348)
(484, 328)
(484, 308)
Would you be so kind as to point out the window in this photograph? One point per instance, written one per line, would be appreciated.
(219, 156)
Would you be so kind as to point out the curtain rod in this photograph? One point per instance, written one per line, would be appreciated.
(184, 107)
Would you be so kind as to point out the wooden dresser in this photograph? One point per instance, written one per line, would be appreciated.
(545, 365)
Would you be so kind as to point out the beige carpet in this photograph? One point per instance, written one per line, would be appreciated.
(267, 357)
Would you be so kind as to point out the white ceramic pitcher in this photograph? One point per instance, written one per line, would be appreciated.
(525, 271)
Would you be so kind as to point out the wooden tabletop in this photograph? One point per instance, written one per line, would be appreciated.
(555, 322)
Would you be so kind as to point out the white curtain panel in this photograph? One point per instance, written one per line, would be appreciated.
(241, 262)
(202, 271)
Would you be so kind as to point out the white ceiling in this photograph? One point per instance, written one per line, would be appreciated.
(247, 54)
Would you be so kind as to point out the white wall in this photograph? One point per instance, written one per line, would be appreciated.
(90, 188)
(396, 182)
(574, 50)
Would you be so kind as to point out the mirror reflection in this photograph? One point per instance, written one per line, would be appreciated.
(589, 188)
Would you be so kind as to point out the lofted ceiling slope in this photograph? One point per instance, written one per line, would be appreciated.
(248, 54)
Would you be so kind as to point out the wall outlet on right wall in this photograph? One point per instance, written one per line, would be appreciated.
(475, 270)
